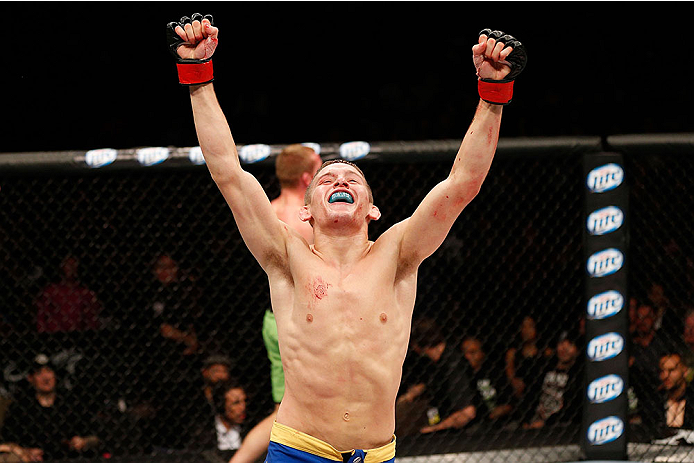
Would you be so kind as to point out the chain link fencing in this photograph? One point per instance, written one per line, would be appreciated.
(134, 286)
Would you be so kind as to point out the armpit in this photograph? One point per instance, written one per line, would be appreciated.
(276, 262)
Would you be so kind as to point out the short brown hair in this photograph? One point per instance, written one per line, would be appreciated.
(292, 162)
(309, 190)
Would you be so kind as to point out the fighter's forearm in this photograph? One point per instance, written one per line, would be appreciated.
(477, 150)
(214, 135)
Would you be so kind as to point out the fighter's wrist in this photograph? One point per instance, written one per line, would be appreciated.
(195, 72)
(497, 92)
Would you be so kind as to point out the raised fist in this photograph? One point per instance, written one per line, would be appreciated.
(498, 59)
(193, 38)
(498, 56)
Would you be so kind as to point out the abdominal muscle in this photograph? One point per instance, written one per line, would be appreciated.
(343, 333)
(342, 373)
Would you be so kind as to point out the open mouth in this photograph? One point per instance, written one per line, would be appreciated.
(341, 197)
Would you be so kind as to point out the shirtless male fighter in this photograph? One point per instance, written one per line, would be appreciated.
(344, 304)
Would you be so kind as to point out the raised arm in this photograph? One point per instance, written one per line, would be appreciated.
(496, 66)
(194, 41)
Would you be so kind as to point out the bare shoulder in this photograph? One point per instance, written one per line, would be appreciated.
(391, 242)
(394, 234)
(279, 261)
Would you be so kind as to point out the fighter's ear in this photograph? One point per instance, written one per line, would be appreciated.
(374, 213)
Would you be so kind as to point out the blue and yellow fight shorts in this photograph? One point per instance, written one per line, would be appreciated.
(288, 445)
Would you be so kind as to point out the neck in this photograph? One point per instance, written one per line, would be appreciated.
(46, 399)
(226, 422)
(678, 392)
(341, 249)
(291, 195)
(287, 206)
(529, 346)
(643, 339)
(565, 365)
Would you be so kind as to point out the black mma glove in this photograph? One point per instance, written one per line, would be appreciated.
(190, 71)
(501, 91)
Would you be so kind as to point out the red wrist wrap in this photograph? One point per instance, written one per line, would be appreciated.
(194, 72)
(495, 91)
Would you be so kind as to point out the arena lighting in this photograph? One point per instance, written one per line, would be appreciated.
(254, 153)
(100, 157)
(152, 156)
(314, 146)
(195, 155)
(248, 154)
(351, 151)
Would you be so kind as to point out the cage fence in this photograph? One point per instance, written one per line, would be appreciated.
(133, 282)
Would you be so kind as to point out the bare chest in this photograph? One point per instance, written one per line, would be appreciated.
(340, 311)
(345, 328)
(357, 298)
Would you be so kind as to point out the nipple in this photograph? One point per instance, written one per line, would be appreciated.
(383, 317)
(309, 317)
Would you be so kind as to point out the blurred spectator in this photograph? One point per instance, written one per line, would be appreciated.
(560, 398)
(665, 316)
(525, 362)
(216, 368)
(67, 305)
(13, 453)
(440, 396)
(164, 320)
(49, 419)
(493, 400)
(174, 302)
(224, 430)
(633, 305)
(688, 343)
(647, 346)
(679, 396)
(673, 419)
(675, 410)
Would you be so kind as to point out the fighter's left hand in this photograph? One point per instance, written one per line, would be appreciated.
(489, 56)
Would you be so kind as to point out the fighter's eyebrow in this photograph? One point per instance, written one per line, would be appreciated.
(350, 174)
(323, 175)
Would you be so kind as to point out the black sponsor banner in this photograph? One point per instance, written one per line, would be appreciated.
(605, 240)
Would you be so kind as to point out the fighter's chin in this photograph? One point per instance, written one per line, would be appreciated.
(340, 216)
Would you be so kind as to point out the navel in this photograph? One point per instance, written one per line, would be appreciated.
(346, 416)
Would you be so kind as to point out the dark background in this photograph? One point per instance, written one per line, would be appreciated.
(83, 75)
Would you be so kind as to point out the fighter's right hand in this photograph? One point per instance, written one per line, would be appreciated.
(193, 38)
(193, 42)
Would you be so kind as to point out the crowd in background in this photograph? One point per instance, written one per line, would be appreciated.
(180, 395)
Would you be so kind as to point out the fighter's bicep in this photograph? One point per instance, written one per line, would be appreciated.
(431, 222)
(262, 232)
